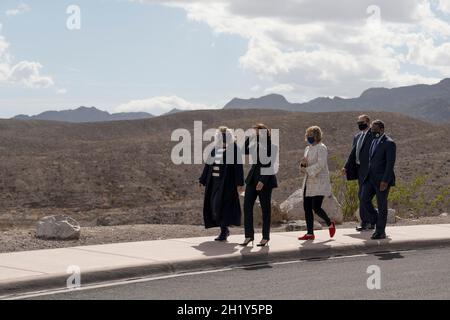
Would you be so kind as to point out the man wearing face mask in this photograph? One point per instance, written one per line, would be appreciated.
(380, 177)
(357, 167)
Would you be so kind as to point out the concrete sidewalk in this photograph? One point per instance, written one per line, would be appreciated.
(47, 269)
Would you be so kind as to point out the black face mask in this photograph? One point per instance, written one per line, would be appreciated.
(362, 126)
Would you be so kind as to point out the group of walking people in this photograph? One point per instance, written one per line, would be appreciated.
(371, 161)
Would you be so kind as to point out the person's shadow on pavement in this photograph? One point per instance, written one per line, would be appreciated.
(365, 236)
(317, 246)
(260, 256)
(248, 250)
(217, 248)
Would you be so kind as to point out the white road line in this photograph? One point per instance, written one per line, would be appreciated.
(193, 273)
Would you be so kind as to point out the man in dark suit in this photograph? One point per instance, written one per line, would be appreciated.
(380, 177)
(357, 167)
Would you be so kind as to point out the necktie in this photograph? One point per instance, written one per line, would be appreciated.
(374, 146)
(359, 145)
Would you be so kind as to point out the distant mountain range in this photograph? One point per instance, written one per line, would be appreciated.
(426, 102)
(174, 110)
(84, 114)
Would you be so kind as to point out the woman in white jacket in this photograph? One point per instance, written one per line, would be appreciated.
(316, 184)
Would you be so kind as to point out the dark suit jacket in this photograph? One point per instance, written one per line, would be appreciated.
(360, 171)
(254, 175)
(382, 162)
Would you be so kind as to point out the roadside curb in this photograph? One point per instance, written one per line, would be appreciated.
(9, 289)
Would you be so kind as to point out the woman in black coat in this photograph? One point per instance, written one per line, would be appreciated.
(223, 181)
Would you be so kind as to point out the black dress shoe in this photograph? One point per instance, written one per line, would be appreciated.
(378, 236)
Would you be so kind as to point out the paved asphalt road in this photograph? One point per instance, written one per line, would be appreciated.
(423, 274)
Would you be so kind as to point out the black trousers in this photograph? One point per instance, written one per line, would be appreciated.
(265, 197)
(370, 189)
(311, 205)
(366, 217)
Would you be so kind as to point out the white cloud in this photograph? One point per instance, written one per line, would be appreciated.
(23, 73)
(61, 91)
(444, 6)
(159, 105)
(27, 73)
(328, 47)
(255, 88)
(20, 9)
(280, 88)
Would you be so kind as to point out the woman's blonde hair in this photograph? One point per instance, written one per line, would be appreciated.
(316, 132)
(262, 126)
(225, 134)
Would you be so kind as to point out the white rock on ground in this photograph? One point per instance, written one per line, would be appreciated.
(293, 207)
(275, 211)
(445, 214)
(59, 227)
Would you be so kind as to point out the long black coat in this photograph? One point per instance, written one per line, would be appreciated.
(232, 177)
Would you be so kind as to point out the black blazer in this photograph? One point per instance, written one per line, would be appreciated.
(382, 162)
(360, 171)
(254, 175)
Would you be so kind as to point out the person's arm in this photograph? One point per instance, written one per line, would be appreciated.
(351, 160)
(265, 178)
(204, 177)
(390, 162)
(239, 172)
(247, 146)
(322, 155)
(302, 169)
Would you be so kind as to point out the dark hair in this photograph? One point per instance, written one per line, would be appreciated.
(379, 124)
(262, 126)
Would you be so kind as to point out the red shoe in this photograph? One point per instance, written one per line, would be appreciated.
(307, 237)
(332, 229)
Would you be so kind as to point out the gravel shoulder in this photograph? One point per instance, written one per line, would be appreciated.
(24, 239)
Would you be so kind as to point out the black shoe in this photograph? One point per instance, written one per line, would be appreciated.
(362, 227)
(263, 243)
(223, 236)
(246, 242)
(378, 236)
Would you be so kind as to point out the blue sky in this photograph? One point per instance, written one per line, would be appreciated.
(123, 51)
(156, 54)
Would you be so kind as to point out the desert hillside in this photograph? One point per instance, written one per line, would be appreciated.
(121, 172)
